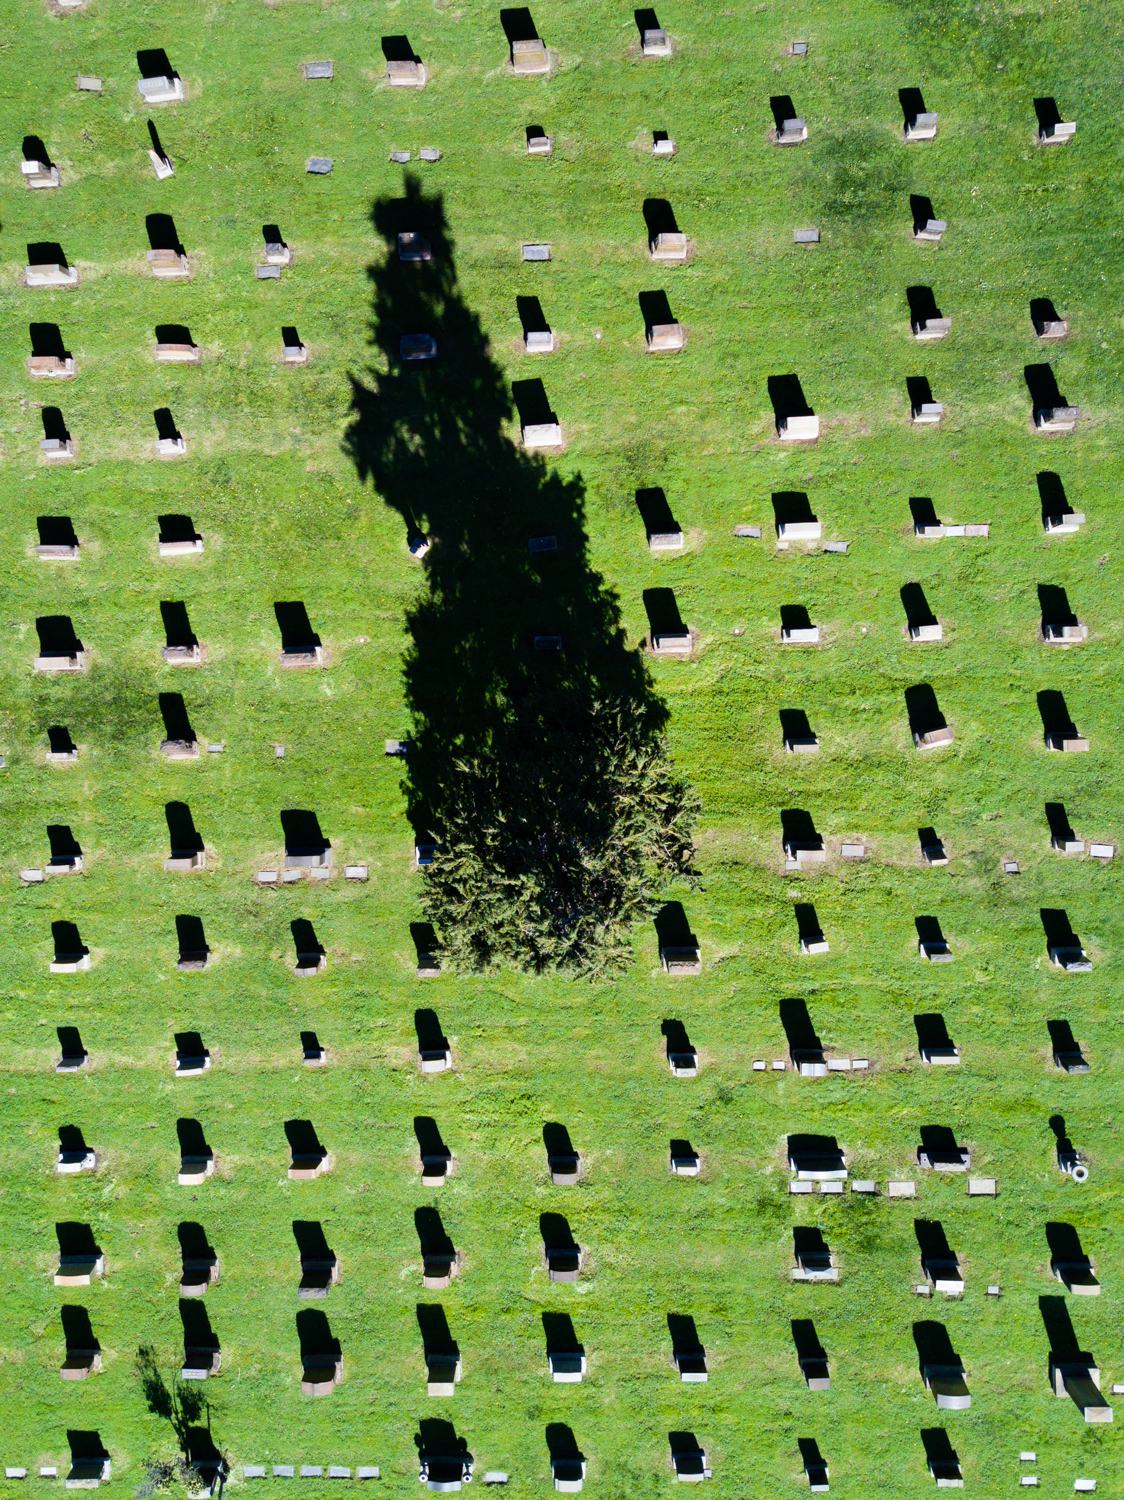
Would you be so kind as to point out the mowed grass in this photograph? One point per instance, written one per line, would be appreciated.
(268, 485)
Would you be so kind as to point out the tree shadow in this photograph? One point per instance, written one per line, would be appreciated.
(524, 763)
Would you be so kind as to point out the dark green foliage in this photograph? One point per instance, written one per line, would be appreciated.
(553, 838)
(542, 775)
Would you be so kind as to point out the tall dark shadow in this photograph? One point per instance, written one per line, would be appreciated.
(162, 233)
(54, 424)
(1051, 492)
(183, 836)
(46, 341)
(1042, 384)
(523, 762)
(56, 531)
(177, 724)
(152, 62)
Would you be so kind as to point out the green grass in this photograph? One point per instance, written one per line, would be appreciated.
(269, 485)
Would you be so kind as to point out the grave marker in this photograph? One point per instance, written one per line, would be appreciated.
(161, 90)
(668, 245)
(529, 56)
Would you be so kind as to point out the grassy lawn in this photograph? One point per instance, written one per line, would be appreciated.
(270, 481)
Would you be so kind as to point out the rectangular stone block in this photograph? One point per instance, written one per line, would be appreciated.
(666, 338)
(668, 245)
(806, 236)
(51, 275)
(542, 435)
(529, 56)
(318, 70)
(160, 90)
(802, 429)
(901, 1190)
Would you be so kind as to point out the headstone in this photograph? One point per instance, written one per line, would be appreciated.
(792, 132)
(663, 145)
(681, 961)
(266, 877)
(294, 354)
(654, 42)
(672, 643)
(338, 1471)
(355, 872)
(801, 429)
(1069, 743)
(168, 264)
(312, 1471)
(542, 435)
(933, 739)
(319, 166)
(865, 1185)
(799, 49)
(805, 745)
(923, 127)
(932, 230)
(668, 245)
(179, 354)
(1056, 418)
(853, 851)
(160, 90)
(56, 448)
(16, 1473)
(800, 531)
(927, 412)
(1074, 960)
(931, 328)
(302, 656)
(748, 531)
(1058, 133)
(806, 236)
(540, 145)
(283, 1471)
(1062, 525)
(536, 252)
(50, 365)
(253, 1471)
(367, 1471)
(806, 635)
(1053, 328)
(901, 1190)
(529, 56)
(400, 157)
(413, 247)
(1064, 634)
(1102, 851)
(538, 341)
(429, 153)
(163, 166)
(318, 70)
(1010, 867)
(182, 655)
(930, 632)
(85, 84)
(666, 337)
(277, 254)
(51, 275)
(417, 346)
(405, 73)
(38, 175)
